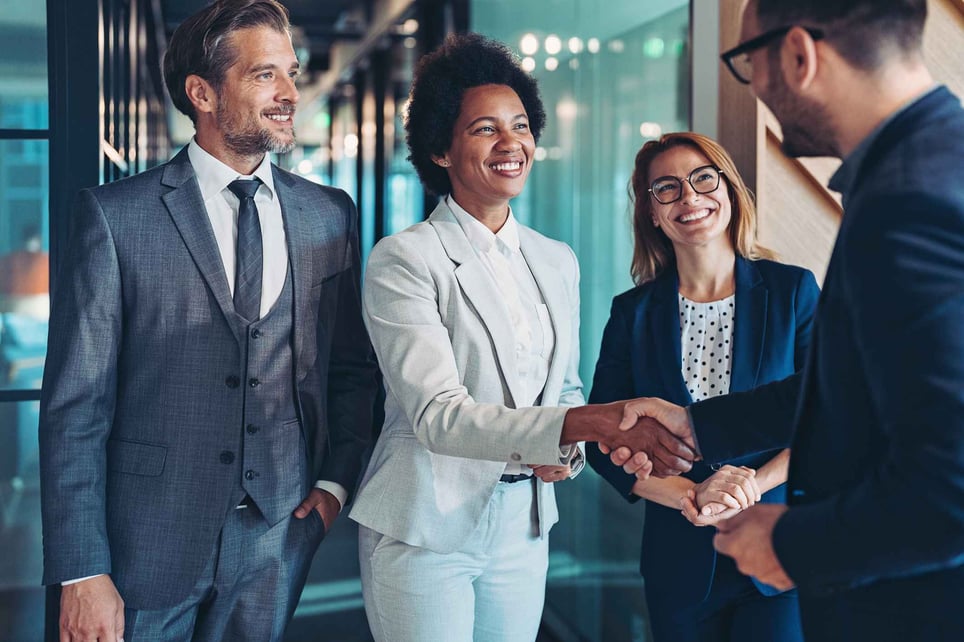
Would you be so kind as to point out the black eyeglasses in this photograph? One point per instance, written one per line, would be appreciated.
(669, 189)
(737, 59)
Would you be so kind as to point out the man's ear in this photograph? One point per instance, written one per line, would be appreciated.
(799, 59)
(200, 93)
(441, 161)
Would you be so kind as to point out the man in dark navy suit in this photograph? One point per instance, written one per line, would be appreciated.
(873, 536)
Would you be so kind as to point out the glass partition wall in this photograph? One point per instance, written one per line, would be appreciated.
(612, 74)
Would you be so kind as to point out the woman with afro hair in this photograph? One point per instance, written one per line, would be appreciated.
(475, 321)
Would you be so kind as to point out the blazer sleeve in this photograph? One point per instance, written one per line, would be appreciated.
(352, 381)
(78, 399)
(418, 364)
(805, 299)
(613, 381)
(904, 278)
(571, 394)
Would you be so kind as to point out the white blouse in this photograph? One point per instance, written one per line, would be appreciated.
(706, 331)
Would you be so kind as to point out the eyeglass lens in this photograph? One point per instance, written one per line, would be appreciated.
(669, 188)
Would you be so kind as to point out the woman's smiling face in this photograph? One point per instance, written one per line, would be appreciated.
(492, 149)
(695, 219)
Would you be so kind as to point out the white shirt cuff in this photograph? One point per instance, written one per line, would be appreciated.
(335, 489)
(81, 579)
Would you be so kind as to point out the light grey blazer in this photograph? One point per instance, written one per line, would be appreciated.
(445, 345)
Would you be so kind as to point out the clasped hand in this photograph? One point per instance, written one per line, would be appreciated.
(720, 496)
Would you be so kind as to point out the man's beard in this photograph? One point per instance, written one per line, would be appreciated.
(806, 125)
(250, 140)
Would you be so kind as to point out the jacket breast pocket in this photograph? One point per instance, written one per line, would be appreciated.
(135, 458)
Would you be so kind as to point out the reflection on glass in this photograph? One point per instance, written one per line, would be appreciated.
(21, 608)
(23, 65)
(612, 75)
(24, 263)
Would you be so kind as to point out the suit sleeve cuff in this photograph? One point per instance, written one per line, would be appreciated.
(335, 489)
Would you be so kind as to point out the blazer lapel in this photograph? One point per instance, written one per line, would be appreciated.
(665, 337)
(749, 335)
(481, 291)
(297, 237)
(546, 275)
(186, 207)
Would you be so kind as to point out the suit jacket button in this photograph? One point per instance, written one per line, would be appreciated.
(516, 457)
(251, 428)
(254, 382)
(256, 333)
(250, 474)
(232, 382)
(227, 457)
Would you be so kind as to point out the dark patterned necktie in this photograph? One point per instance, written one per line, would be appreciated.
(247, 275)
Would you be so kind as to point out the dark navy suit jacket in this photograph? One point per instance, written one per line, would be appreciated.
(874, 538)
(641, 357)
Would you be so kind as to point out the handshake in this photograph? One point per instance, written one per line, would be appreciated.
(645, 436)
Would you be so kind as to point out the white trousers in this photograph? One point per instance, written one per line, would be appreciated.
(492, 590)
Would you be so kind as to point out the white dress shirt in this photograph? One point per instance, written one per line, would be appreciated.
(502, 256)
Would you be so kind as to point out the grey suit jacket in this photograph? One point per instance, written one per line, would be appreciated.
(141, 412)
(445, 345)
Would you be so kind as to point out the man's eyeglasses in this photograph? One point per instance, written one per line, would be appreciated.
(737, 59)
(669, 189)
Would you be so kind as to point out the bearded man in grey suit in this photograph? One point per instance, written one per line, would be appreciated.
(209, 384)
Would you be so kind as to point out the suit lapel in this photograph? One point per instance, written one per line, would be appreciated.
(186, 208)
(749, 335)
(298, 239)
(665, 337)
(546, 275)
(481, 291)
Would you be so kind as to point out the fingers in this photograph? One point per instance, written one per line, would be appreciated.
(621, 456)
(632, 411)
(552, 474)
(688, 507)
(736, 487)
(308, 503)
(640, 465)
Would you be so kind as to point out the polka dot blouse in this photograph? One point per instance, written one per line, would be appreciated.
(707, 337)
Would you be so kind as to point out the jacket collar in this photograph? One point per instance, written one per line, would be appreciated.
(749, 333)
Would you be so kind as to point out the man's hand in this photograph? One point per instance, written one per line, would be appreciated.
(550, 474)
(674, 418)
(748, 539)
(602, 423)
(91, 609)
(675, 421)
(322, 501)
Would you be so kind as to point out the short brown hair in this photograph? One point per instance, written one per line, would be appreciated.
(200, 45)
(652, 249)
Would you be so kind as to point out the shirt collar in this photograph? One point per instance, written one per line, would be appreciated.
(843, 179)
(213, 176)
(482, 237)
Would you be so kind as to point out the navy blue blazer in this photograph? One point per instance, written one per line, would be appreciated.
(641, 357)
(874, 538)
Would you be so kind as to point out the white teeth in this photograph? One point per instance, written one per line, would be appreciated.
(694, 216)
(280, 117)
(507, 167)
